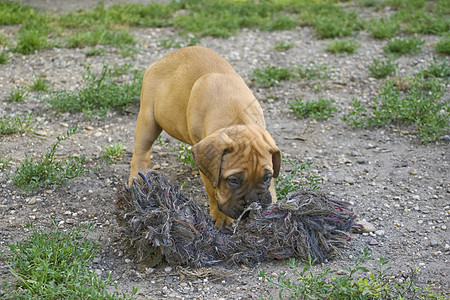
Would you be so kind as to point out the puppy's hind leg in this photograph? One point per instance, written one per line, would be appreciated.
(147, 131)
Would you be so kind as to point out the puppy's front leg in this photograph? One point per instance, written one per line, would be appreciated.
(272, 191)
(147, 131)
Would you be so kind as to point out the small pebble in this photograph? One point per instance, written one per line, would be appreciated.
(169, 279)
(361, 160)
(32, 201)
(40, 132)
(373, 242)
(379, 232)
(434, 243)
(349, 180)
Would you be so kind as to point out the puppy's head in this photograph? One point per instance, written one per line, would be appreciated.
(240, 162)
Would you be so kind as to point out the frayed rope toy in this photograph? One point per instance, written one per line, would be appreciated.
(159, 222)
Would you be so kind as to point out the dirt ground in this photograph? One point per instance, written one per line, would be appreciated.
(395, 182)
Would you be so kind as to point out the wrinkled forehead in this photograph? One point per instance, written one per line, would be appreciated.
(249, 157)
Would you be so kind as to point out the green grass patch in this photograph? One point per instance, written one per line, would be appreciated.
(403, 4)
(127, 50)
(182, 150)
(16, 124)
(119, 70)
(332, 21)
(151, 15)
(56, 265)
(302, 282)
(314, 71)
(401, 46)
(381, 68)
(368, 3)
(217, 18)
(3, 40)
(4, 163)
(12, 13)
(174, 42)
(4, 57)
(170, 43)
(113, 152)
(422, 105)
(17, 94)
(184, 154)
(220, 18)
(383, 28)
(295, 176)
(33, 35)
(436, 70)
(95, 51)
(342, 46)
(420, 16)
(320, 109)
(422, 22)
(100, 35)
(283, 46)
(200, 17)
(47, 170)
(100, 93)
(273, 75)
(39, 84)
(279, 21)
(443, 46)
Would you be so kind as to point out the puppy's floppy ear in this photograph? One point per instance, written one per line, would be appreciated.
(275, 151)
(208, 155)
(276, 161)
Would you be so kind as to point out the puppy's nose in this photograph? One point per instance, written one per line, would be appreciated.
(251, 197)
(264, 198)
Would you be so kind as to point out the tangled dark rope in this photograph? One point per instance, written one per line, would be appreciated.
(159, 222)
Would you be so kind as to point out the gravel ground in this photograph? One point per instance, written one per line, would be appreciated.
(395, 183)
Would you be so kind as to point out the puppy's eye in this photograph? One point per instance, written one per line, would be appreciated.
(233, 181)
(267, 179)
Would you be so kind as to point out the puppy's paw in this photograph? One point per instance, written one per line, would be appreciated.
(220, 219)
